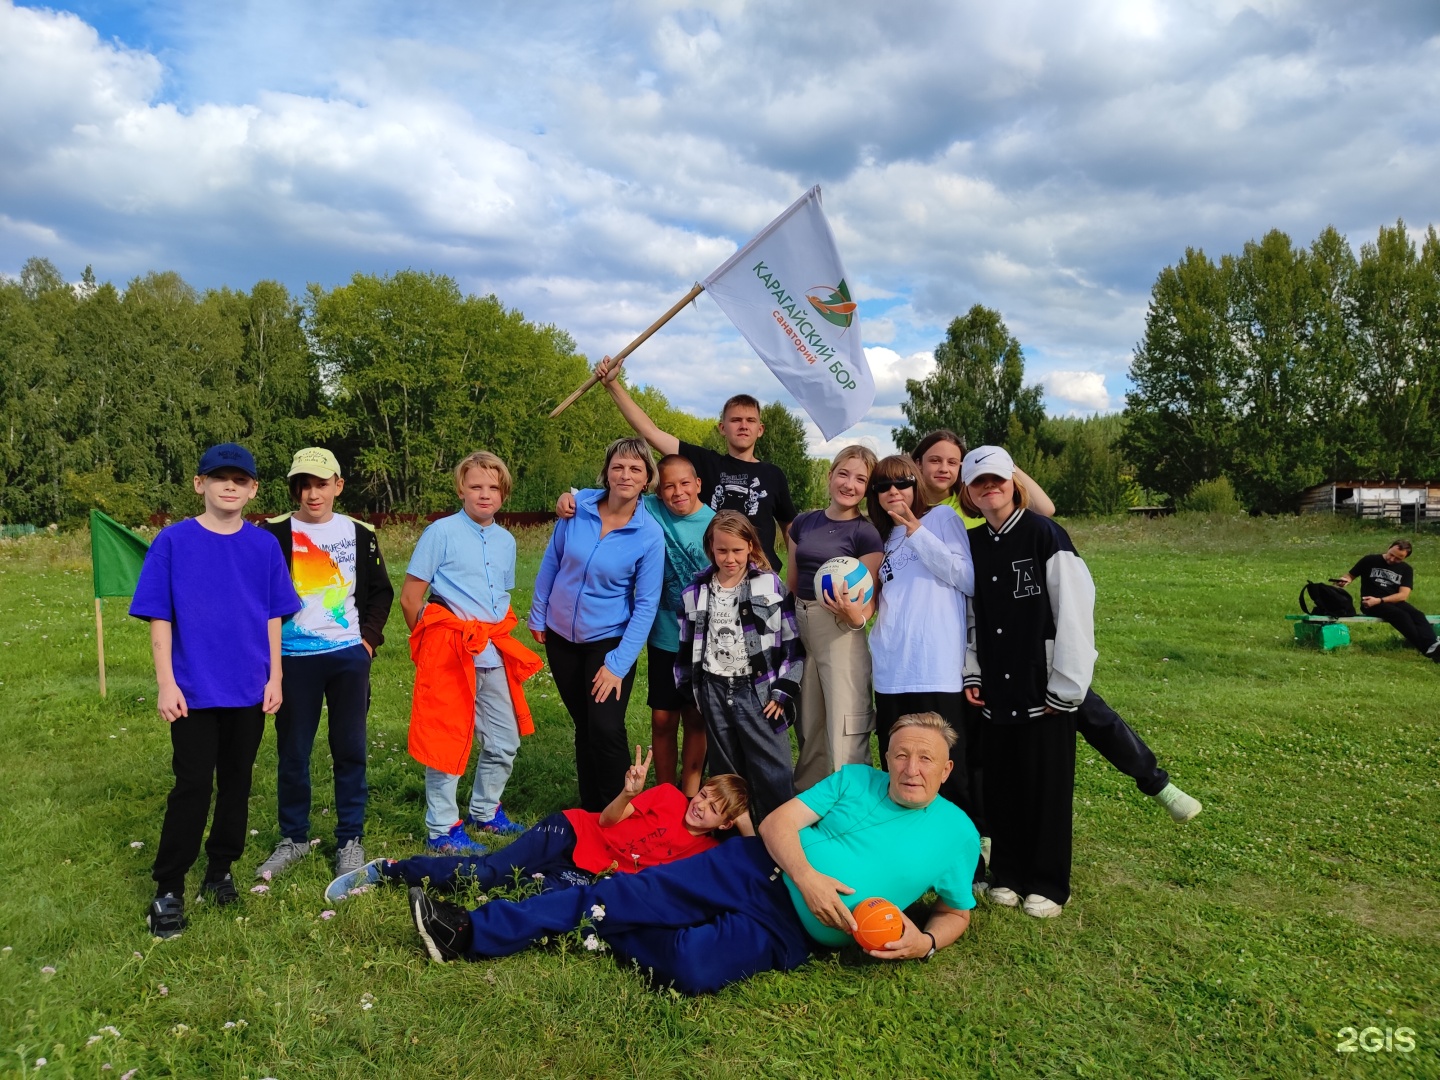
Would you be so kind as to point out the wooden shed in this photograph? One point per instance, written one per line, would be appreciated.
(1405, 502)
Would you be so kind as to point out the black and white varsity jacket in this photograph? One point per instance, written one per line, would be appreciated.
(1031, 640)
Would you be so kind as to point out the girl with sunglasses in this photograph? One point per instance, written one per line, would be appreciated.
(919, 630)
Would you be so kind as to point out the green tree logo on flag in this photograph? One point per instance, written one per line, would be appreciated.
(837, 309)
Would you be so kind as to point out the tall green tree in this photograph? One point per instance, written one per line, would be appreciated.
(422, 374)
(1184, 374)
(977, 388)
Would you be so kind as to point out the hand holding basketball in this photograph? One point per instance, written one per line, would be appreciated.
(911, 944)
(878, 922)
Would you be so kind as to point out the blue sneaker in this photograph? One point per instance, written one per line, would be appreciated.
(455, 842)
(497, 824)
(345, 884)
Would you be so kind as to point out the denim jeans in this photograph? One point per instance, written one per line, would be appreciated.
(340, 681)
(742, 740)
(499, 737)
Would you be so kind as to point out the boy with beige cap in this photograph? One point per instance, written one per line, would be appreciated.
(325, 652)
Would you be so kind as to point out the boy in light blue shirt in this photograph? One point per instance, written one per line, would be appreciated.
(467, 562)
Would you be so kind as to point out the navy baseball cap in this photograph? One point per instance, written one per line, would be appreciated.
(227, 455)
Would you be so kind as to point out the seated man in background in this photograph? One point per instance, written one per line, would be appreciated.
(1385, 583)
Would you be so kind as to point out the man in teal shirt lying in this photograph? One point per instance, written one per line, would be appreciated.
(763, 904)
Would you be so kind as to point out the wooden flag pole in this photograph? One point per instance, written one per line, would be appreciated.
(619, 357)
(100, 644)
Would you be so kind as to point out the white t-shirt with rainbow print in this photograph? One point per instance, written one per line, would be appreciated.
(322, 566)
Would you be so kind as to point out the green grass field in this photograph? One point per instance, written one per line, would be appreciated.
(1303, 901)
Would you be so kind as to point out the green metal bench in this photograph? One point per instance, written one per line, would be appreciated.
(1329, 633)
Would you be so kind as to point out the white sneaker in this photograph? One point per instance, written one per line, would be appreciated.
(1004, 897)
(1182, 807)
(1041, 907)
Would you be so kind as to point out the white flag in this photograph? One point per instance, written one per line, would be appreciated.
(786, 292)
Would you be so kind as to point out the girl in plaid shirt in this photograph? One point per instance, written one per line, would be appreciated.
(740, 658)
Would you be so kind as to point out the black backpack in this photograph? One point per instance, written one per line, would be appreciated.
(1329, 600)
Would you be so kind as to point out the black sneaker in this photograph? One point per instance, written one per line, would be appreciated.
(443, 927)
(219, 892)
(166, 916)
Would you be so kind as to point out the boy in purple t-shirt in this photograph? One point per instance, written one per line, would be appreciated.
(214, 589)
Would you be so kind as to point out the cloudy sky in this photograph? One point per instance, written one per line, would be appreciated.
(587, 164)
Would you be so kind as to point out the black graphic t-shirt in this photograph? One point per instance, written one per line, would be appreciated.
(757, 489)
(1380, 578)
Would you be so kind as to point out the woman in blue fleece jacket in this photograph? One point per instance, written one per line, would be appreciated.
(595, 597)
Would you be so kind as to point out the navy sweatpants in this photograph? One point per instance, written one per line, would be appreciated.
(1104, 729)
(697, 924)
(547, 849)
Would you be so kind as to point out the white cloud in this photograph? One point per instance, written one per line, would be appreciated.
(1082, 390)
(588, 163)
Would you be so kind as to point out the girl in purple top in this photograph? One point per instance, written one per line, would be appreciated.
(836, 713)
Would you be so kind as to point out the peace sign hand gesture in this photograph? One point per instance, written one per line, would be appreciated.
(635, 774)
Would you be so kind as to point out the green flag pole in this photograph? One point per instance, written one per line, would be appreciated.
(116, 555)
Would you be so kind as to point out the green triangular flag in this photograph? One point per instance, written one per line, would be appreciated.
(116, 554)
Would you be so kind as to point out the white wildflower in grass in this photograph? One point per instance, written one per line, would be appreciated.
(367, 1000)
(537, 877)
(315, 842)
(594, 944)
(47, 970)
(360, 889)
(92, 1040)
(137, 844)
(129, 1075)
(597, 911)
(106, 1067)
(254, 832)
(5, 949)
(260, 888)
(267, 875)
(164, 990)
(137, 956)
(327, 914)
(179, 1030)
(40, 1063)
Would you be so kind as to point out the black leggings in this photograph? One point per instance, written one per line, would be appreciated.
(602, 748)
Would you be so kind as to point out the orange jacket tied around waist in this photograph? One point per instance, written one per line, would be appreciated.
(442, 709)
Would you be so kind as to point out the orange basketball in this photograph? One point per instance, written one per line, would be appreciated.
(877, 922)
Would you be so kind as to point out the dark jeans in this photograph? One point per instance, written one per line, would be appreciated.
(209, 745)
(741, 739)
(1409, 620)
(697, 925)
(547, 849)
(1103, 728)
(341, 680)
(1030, 788)
(602, 748)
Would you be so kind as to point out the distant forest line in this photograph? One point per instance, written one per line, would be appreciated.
(1259, 375)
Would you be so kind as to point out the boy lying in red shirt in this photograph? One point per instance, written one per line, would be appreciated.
(638, 829)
